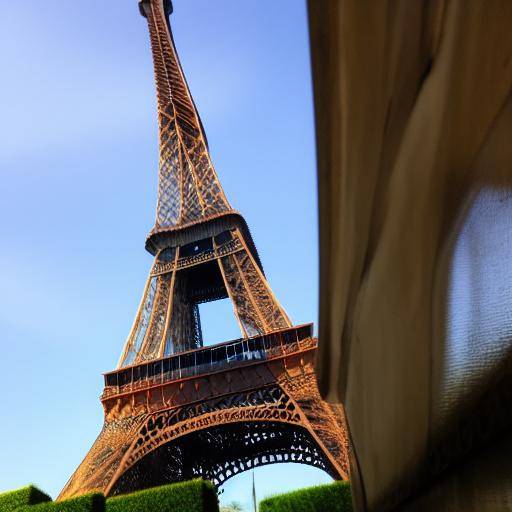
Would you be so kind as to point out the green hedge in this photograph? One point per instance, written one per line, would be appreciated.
(193, 496)
(334, 497)
(87, 503)
(29, 495)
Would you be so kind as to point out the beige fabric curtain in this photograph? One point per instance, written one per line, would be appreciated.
(414, 139)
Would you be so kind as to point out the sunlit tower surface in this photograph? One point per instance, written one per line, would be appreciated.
(174, 409)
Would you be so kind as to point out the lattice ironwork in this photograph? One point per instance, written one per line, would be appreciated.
(168, 318)
(150, 349)
(175, 409)
(189, 189)
(103, 459)
(144, 448)
(222, 452)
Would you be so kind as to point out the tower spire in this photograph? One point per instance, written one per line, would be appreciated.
(191, 200)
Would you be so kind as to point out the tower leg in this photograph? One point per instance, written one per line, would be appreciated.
(326, 422)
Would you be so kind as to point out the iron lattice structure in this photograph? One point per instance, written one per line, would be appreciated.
(175, 409)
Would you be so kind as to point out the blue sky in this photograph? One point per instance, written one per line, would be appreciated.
(78, 164)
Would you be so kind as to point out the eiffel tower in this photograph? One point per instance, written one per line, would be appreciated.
(175, 409)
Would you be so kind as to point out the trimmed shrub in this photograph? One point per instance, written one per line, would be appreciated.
(87, 503)
(29, 495)
(193, 496)
(334, 497)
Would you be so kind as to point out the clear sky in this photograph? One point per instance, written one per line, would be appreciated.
(78, 169)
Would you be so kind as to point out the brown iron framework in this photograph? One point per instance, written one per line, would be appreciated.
(175, 409)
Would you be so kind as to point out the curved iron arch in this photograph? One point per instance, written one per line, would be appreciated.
(220, 452)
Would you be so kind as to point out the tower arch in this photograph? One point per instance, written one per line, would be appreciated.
(220, 452)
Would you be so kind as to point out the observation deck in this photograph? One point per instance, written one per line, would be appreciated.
(209, 360)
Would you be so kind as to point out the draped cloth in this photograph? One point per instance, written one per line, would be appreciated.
(414, 146)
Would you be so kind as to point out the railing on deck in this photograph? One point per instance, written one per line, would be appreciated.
(208, 359)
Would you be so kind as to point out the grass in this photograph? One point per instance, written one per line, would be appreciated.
(334, 497)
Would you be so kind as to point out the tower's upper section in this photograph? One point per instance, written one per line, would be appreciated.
(191, 203)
